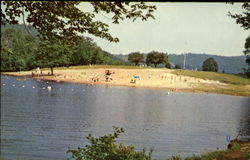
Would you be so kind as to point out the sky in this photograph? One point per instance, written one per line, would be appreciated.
(179, 27)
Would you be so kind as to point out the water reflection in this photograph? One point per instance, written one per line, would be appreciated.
(244, 123)
(41, 124)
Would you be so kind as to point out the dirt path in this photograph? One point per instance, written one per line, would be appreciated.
(241, 154)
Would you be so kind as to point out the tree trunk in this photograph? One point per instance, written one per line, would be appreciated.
(51, 69)
(155, 65)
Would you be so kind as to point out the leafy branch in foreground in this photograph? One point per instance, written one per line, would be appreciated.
(244, 18)
(105, 148)
(64, 20)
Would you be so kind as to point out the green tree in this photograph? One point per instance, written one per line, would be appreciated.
(244, 20)
(63, 20)
(247, 53)
(210, 65)
(156, 58)
(168, 65)
(105, 148)
(17, 49)
(52, 54)
(135, 57)
(177, 66)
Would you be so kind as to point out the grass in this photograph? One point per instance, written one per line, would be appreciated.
(222, 77)
(228, 154)
(215, 155)
(99, 66)
(91, 67)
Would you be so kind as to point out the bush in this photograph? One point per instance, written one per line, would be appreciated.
(104, 148)
(174, 158)
(168, 65)
(177, 66)
(210, 65)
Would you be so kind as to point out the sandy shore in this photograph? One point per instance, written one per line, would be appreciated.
(145, 78)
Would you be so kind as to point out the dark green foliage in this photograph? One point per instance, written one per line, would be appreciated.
(210, 65)
(155, 58)
(17, 50)
(52, 54)
(177, 66)
(168, 65)
(243, 19)
(135, 57)
(105, 148)
(247, 53)
(62, 20)
(23, 51)
(247, 49)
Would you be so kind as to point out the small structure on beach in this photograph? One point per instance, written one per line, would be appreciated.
(133, 80)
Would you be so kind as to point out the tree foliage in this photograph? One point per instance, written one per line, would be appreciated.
(17, 50)
(21, 51)
(136, 57)
(210, 65)
(247, 50)
(64, 20)
(52, 54)
(177, 66)
(168, 65)
(156, 58)
(247, 53)
(105, 148)
(244, 18)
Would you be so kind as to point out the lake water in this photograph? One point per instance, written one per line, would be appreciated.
(38, 124)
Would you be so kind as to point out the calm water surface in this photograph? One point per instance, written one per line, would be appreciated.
(38, 124)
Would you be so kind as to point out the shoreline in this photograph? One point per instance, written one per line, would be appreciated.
(155, 79)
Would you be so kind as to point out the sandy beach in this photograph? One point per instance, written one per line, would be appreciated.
(145, 78)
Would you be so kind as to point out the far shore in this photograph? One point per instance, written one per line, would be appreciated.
(162, 79)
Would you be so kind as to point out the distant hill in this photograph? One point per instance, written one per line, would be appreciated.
(90, 47)
(233, 64)
(25, 30)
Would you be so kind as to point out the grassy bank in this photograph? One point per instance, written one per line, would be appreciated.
(222, 77)
(230, 89)
(95, 67)
(238, 151)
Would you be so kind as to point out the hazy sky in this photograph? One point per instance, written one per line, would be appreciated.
(178, 28)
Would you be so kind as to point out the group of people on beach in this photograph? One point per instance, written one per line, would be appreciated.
(38, 72)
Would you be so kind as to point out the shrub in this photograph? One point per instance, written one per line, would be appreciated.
(104, 148)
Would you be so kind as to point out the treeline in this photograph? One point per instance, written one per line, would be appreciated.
(194, 61)
(22, 50)
(152, 58)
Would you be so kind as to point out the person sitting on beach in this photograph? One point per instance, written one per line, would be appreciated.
(107, 75)
(108, 72)
(133, 80)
